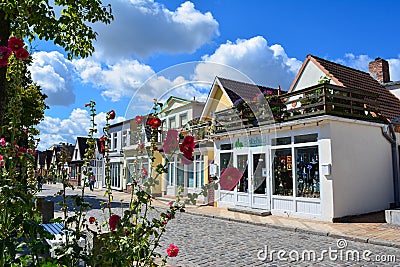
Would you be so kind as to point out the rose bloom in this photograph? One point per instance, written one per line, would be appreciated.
(113, 221)
(21, 54)
(139, 119)
(111, 114)
(187, 147)
(154, 122)
(172, 250)
(92, 220)
(171, 142)
(14, 43)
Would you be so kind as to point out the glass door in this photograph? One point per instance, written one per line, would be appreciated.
(259, 196)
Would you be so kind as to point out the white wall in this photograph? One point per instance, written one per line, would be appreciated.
(361, 169)
(310, 76)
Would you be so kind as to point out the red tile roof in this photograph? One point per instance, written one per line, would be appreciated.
(389, 104)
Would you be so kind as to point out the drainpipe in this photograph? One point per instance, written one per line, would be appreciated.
(391, 137)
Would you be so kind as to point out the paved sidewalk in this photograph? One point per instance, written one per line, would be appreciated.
(367, 229)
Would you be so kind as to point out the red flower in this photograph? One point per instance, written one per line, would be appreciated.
(172, 250)
(230, 178)
(102, 144)
(139, 119)
(111, 114)
(5, 53)
(144, 171)
(154, 122)
(14, 43)
(2, 142)
(171, 142)
(113, 221)
(187, 147)
(87, 104)
(1, 161)
(21, 54)
(92, 220)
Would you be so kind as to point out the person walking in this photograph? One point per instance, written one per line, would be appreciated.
(92, 180)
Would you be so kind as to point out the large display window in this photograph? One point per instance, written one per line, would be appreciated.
(282, 181)
(307, 172)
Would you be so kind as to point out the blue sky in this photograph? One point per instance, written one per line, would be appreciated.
(265, 40)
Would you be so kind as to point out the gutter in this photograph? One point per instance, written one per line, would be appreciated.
(389, 133)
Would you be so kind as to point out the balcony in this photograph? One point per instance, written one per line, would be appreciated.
(321, 99)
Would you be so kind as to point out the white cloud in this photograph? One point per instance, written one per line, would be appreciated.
(394, 66)
(263, 64)
(54, 73)
(142, 27)
(55, 130)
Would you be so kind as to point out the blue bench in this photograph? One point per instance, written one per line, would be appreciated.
(57, 229)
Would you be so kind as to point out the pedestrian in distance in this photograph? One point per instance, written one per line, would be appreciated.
(92, 180)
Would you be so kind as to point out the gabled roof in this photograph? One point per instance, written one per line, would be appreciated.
(389, 104)
(240, 90)
(81, 141)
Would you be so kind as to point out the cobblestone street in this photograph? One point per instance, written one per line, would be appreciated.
(205, 241)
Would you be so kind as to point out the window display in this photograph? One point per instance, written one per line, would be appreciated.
(242, 165)
(282, 172)
(307, 172)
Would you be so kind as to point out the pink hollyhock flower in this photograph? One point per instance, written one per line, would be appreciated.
(141, 146)
(172, 250)
(21, 54)
(171, 142)
(92, 220)
(154, 122)
(1, 161)
(102, 142)
(14, 43)
(144, 171)
(22, 149)
(113, 221)
(2, 142)
(87, 104)
(5, 53)
(170, 203)
(230, 178)
(187, 147)
(111, 114)
(139, 119)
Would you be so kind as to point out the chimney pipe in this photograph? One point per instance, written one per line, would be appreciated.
(379, 68)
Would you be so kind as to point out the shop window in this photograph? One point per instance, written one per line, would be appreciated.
(226, 161)
(242, 166)
(307, 172)
(172, 123)
(305, 138)
(282, 182)
(199, 174)
(281, 141)
(183, 120)
(259, 179)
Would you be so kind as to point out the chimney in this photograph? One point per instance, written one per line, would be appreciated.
(379, 68)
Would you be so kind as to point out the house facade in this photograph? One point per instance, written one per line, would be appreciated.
(320, 154)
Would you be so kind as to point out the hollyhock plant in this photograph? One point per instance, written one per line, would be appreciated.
(172, 250)
(15, 43)
(111, 114)
(230, 177)
(187, 147)
(113, 221)
(171, 142)
(139, 119)
(154, 122)
(92, 220)
(5, 53)
(21, 54)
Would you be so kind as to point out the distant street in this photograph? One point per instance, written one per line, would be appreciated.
(206, 241)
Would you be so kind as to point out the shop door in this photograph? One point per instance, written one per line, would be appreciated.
(259, 193)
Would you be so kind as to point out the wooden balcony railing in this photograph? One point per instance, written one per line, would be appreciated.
(322, 99)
